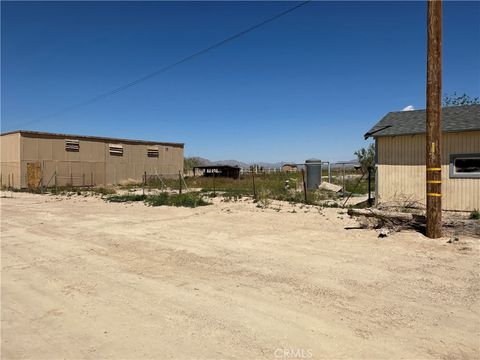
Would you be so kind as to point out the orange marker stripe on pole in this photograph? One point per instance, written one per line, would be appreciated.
(434, 181)
(434, 169)
(434, 194)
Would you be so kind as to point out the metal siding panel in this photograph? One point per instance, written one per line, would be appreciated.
(401, 170)
(10, 166)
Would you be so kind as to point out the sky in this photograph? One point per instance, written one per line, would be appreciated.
(308, 84)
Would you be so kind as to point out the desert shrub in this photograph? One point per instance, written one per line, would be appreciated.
(125, 198)
(191, 200)
(103, 190)
(263, 198)
(474, 215)
(331, 205)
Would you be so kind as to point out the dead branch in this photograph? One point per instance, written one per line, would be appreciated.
(396, 221)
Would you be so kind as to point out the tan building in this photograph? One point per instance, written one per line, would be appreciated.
(400, 157)
(289, 168)
(29, 158)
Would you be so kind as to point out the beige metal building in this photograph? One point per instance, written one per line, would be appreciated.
(400, 157)
(31, 158)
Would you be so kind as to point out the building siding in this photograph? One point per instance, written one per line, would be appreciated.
(10, 160)
(401, 170)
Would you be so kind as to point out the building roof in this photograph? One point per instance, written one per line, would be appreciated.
(207, 167)
(85, 137)
(454, 119)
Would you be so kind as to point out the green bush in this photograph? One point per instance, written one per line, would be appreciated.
(125, 198)
(191, 200)
(185, 200)
(474, 215)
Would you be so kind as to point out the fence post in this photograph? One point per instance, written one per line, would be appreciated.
(304, 186)
(41, 181)
(9, 181)
(56, 184)
(144, 182)
(83, 179)
(214, 192)
(71, 179)
(343, 179)
(91, 178)
(254, 189)
(179, 182)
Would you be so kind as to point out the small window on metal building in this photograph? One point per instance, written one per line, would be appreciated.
(152, 152)
(115, 149)
(72, 145)
(465, 165)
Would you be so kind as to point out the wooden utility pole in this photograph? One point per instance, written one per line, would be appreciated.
(434, 132)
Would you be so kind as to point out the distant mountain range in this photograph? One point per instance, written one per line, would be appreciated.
(206, 162)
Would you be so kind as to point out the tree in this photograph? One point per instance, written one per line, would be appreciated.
(458, 100)
(190, 162)
(366, 157)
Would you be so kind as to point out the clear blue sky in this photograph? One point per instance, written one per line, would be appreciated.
(309, 84)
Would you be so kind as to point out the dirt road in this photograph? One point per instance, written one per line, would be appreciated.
(85, 279)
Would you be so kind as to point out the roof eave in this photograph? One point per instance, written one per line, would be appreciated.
(368, 134)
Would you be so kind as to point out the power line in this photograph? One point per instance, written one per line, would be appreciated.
(168, 67)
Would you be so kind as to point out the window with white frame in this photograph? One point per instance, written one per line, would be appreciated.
(465, 165)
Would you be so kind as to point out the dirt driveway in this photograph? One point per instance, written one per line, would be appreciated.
(85, 279)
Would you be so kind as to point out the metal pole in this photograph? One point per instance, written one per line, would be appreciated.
(305, 186)
(91, 178)
(433, 151)
(214, 193)
(329, 173)
(56, 184)
(254, 189)
(42, 173)
(343, 178)
(144, 182)
(83, 179)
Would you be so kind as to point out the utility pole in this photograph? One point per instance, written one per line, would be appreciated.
(434, 132)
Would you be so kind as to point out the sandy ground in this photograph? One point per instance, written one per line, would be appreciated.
(85, 279)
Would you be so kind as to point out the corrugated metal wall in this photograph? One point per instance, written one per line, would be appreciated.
(10, 160)
(401, 170)
(94, 164)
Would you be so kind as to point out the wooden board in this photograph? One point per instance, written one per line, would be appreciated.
(34, 173)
